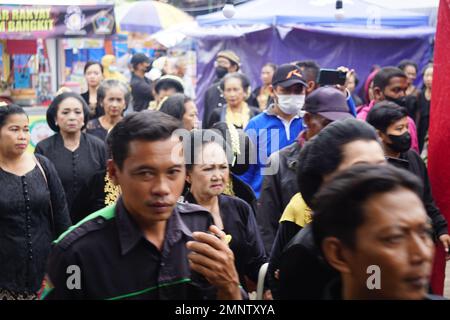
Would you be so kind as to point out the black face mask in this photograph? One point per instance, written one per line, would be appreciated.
(148, 69)
(221, 72)
(401, 143)
(400, 101)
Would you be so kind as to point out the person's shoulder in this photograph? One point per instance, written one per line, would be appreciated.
(235, 200)
(43, 160)
(213, 87)
(216, 112)
(194, 216)
(241, 206)
(254, 111)
(304, 238)
(190, 208)
(81, 232)
(412, 155)
(47, 141)
(260, 120)
(290, 149)
(97, 142)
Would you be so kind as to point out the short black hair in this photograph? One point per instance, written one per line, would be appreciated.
(138, 58)
(91, 63)
(236, 75)
(245, 146)
(404, 63)
(384, 76)
(147, 125)
(197, 139)
(105, 85)
(341, 207)
(323, 154)
(9, 110)
(54, 105)
(310, 69)
(167, 83)
(174, 105)
(385, 113)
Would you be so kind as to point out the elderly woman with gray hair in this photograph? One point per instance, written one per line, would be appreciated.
(113, 96)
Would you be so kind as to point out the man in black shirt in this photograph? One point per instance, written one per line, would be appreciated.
(141, 87)
(391, 122)
(226, 62)
(371, 226)
(144, 247)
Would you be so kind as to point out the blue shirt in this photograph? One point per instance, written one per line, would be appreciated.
(268, 134)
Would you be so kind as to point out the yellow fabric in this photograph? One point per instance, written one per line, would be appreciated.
(153, 105)
(169, 15)
(106, 61)
(112, 192)
(297, 211)
(238, 119)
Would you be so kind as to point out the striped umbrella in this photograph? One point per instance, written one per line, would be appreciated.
(152, 16)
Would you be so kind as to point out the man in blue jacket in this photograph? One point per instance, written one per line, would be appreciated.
(279, 125)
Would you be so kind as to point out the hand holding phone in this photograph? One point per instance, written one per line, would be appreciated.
(331, 77)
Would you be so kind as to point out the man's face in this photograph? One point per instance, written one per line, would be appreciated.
(297, 89)
(315, 123)
(224, 62)
(152, 178)
(398, 128)
(396, 237)
(395, 89)
(144, 66)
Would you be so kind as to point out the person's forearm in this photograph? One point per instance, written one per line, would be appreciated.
(231, 292)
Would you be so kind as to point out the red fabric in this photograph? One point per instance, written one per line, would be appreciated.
(439, 132)
(21, 46)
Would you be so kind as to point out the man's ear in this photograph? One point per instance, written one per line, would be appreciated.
(383, 136)
(378, 94)
(188, 177)
(336, 254)
(307, 119)
(311, 86)
(112, 171)
(233, 68)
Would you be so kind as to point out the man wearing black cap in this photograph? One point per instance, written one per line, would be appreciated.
(226, 62)
(141, 87)
(322, 106)
(279, 125)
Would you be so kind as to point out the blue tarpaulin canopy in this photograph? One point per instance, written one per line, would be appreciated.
(317, 13)
(283, 31)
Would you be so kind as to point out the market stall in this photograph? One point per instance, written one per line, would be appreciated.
(32, 59)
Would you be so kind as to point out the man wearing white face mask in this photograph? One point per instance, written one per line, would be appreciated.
(279, 125)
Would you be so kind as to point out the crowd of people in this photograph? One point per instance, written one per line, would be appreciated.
(313, 181)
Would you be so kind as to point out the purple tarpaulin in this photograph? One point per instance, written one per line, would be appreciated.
(329, 50)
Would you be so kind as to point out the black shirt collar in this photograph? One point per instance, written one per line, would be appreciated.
(130, 234)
